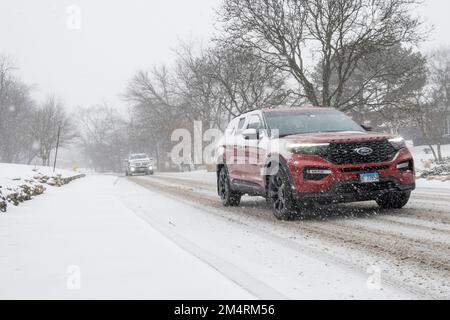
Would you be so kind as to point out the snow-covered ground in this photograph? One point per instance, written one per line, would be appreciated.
(420, 157)
(84, 230)
(269, 269)
(435, 184)
(20, 183)
(423, 161)
(13, 175)
(409, 247)
(125, 242)
(168, 237)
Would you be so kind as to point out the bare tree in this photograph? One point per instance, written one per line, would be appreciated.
(245, 82)
(423, 114)
(439, 78)
(49, 116)
(157, 110)
(337, 34)
(154, 87)
(103, 137)
(386, 99)
(207, 85)
(196, 88)
(16, 106)
(429, 107)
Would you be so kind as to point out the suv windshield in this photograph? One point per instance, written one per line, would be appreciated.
(138, 157)
(290, 123)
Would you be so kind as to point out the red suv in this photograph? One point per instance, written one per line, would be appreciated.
(296, 157)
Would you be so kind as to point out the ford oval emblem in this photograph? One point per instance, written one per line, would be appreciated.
(364, 151)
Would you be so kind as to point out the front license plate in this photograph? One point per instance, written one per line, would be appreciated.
(369, 177)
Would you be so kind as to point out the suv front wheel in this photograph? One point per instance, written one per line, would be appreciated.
(280, 196)
(229, 197)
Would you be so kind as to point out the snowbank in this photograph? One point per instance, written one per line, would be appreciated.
(431, 174)
(19, 183)
(422, 159)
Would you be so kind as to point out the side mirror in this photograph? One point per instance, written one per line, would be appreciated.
(367, 128)
(250, 134)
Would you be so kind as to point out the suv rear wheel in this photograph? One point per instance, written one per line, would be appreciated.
(229, 197)
(396, 200)
(280, 196)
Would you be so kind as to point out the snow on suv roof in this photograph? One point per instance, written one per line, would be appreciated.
(298, 109)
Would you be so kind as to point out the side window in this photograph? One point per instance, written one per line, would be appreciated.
(240, 126)
(254, 122)
(241, 123)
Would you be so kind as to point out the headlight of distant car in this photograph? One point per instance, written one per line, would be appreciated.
(398, 143)
(308, 148)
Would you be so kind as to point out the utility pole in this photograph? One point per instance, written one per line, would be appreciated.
(57, 146)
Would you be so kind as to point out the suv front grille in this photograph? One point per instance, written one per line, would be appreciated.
(345, 152)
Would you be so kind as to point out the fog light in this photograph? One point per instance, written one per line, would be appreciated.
(316, 174)
(319, 171)
(133, 169)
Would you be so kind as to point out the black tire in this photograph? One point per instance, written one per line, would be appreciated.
(280, 196)
(229, 197)
(396, 200)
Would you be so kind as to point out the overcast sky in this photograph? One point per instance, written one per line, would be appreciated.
(91, 62)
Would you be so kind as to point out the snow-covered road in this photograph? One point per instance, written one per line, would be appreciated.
(167, 236)
(331, 253)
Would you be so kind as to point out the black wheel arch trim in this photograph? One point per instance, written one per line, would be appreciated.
(282, 163)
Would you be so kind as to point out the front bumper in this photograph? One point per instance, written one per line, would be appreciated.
(354, 191)
(343, 184)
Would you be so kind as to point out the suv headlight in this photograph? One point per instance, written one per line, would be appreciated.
(308, 148)
(398, 143)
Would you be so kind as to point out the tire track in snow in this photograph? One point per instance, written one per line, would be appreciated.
(232, 272)
(400, 249)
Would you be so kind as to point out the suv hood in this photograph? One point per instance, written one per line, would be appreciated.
(343, 136)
